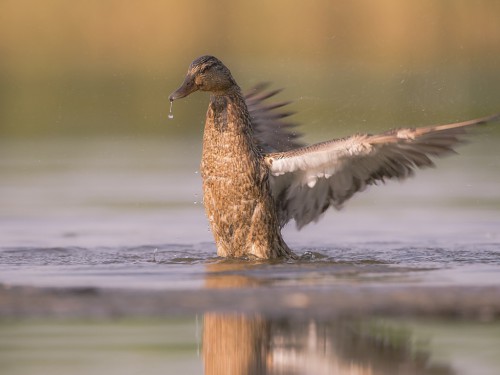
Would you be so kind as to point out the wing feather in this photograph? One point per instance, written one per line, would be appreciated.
(271, 129)
(307, 180)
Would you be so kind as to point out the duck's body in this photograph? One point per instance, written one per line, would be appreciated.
(256, 177)
(236, 192)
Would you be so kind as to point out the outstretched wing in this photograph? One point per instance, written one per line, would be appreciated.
(271, 128)
(308, 180)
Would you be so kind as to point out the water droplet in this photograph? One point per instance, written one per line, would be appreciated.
(170, 114)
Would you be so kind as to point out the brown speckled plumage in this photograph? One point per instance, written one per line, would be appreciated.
(236, 192)
(257, 176)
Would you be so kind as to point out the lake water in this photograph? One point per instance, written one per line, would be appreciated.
(106, 258)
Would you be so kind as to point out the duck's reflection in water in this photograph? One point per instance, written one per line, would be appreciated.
(240, 344)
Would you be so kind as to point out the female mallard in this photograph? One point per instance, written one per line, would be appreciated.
(256, 177)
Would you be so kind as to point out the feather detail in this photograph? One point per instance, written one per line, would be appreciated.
(307, 180)
(272, 131)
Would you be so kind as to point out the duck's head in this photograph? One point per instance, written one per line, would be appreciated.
(206, 73)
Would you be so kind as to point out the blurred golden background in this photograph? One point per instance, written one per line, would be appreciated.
(106, 67)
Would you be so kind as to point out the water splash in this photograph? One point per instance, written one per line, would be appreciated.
(170, 114)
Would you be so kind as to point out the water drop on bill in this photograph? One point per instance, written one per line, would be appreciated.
(170, 114)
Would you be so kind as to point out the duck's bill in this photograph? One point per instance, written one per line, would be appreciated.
(187, 87)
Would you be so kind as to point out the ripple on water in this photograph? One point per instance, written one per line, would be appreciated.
(184, 265)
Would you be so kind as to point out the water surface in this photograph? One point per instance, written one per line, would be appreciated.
(128, 213)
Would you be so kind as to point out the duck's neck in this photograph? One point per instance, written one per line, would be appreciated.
(228, 109)
(228, 141)
(228, 121)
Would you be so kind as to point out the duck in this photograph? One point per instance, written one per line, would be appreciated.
(257, 174)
